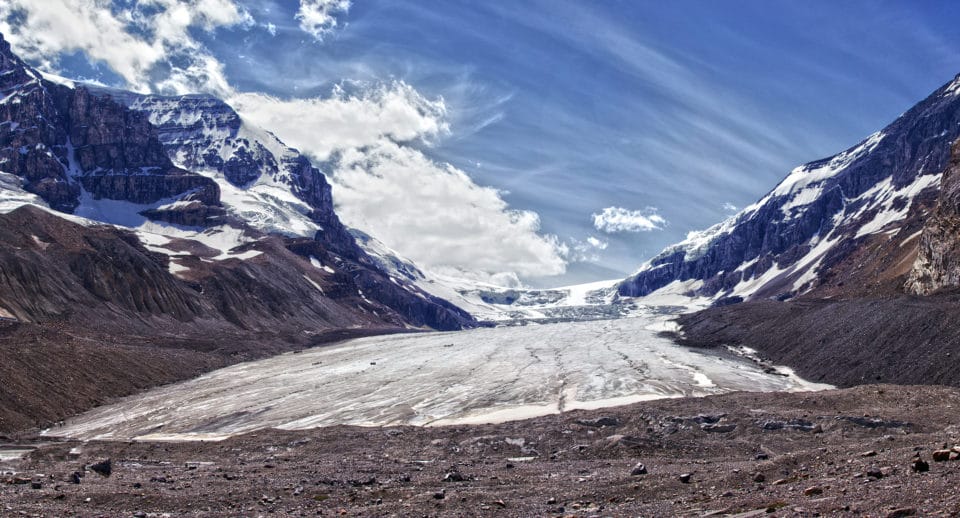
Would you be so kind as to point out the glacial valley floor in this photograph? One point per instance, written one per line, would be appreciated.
(838, 452)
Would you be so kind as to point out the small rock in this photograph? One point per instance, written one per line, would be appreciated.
(902, 512)
(639, 469)
(139, 514)
(762, 456)
(103, 468)
(500, 503)
(813, 491)
(75, 477)
(871, 453)
(440, 495)
(36, 485)
(685, 478)
(941, 455)
(454, 476)
(875, 473)
(759, 477)
(919, 465)
(551, 501)
(780, 482)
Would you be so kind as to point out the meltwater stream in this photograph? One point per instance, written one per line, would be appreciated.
(477, 376)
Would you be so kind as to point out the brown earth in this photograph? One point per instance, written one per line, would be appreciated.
(841, 452)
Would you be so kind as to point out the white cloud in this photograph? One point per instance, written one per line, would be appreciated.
(729, 207)
(436, 215)
(320, 126)
(618, 219)
(139, 47)
(318, 17)
(597, 243)
(587, 251)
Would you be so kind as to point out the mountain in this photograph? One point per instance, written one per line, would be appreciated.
(189, 171)
(844, 225)
(849, 271)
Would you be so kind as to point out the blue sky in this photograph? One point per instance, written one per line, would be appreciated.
(667, 114)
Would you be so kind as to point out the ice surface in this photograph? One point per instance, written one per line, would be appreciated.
(483, 375)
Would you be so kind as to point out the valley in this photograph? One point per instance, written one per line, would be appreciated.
(189, 327)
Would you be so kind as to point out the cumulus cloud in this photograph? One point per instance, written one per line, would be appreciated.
(319, 17)
(436, 215)
(140, 42)
(320, 126)
(618, 219)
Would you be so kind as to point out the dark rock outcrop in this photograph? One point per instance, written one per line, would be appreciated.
(938, 261)
(63, 141)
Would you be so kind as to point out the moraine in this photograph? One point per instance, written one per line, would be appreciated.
(476, 376)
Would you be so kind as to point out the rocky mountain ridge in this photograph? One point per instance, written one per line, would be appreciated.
(847, 223)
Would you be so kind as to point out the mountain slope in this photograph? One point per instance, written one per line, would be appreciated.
(843, 224)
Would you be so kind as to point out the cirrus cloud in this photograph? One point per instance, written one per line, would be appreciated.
(619, 219)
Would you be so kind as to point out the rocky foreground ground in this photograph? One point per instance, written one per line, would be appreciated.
(865, 451)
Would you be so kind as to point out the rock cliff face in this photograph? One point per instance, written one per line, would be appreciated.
(64, 142)
(938, 262)
(822, 215)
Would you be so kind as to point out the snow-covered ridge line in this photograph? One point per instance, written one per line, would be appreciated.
(829, 207)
